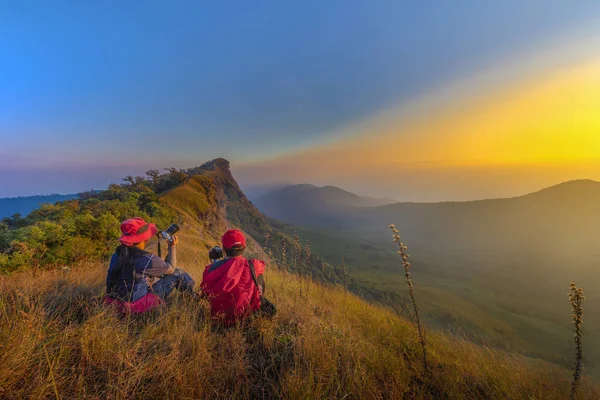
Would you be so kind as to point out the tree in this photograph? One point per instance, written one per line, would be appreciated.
(4, 236)
(129, 179)
(154, 176)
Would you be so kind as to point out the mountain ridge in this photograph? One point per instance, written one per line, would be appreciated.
(296, 202)
(25, 204)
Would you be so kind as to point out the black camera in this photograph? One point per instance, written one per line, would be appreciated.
(168, 234)
(216, 253)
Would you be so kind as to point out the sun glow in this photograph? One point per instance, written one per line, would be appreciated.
(551, 119)
(557, 120)
(499, 140)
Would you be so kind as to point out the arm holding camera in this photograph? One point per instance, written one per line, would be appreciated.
(172, 256)
(172, 240)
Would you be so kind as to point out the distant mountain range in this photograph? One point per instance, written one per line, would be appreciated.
(24, 205)
(508, 261)
(566, 215)
(297, 202)
(256, 191)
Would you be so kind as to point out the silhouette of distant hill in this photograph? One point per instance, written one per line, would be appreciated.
(24, 205)
(256, 191)
(298, 202)
(565, 216)
(568, 213)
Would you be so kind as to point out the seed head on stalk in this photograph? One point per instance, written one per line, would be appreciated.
(406, 264)
(576, 298)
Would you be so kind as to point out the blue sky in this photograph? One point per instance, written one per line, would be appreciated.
(117, 87)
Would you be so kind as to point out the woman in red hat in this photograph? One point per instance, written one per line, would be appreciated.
(228, 283)
(132, 282)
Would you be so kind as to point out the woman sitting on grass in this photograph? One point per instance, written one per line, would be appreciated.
(131, 283)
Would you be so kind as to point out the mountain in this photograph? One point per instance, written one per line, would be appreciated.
(566, 216)
(323, 343)
(495, 270)
(299, 202)
(24, 205)
(256, 191)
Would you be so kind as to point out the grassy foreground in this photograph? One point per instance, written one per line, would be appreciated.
(58, 341)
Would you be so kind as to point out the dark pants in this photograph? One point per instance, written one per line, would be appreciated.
(179, 280)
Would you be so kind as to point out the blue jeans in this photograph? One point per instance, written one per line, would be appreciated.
(179, 280)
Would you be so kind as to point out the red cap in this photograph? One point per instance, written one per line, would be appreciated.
(136, 230)
(233, 238)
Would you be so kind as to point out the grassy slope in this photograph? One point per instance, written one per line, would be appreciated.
(55, 336)
(483, 303)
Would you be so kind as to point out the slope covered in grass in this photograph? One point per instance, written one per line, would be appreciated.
(57, 340)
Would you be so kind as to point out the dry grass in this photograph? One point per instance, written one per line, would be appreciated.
(576, 298)
(57, 340)
(402, 251)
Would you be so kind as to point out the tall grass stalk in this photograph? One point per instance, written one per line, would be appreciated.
(283, 255)
(297, 254)
(266, 251)
(406, 264)
(51, 372)
(307, 256)
(345, 277)
(325, 281)
(576, 298)
(283, 261)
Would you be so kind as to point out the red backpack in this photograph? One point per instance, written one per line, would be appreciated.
(230, 288)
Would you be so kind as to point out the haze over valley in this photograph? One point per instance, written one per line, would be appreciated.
(493, 270)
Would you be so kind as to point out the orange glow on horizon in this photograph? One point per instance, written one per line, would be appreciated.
(553, 119)
(514, 138)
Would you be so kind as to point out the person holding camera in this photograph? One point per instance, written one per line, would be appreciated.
(234, 285)
(139, 280)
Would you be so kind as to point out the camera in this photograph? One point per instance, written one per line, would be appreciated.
(216, 253)
(168, 234)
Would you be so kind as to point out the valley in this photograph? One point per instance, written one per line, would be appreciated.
(494, 271)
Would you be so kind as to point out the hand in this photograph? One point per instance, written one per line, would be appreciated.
(174, 241)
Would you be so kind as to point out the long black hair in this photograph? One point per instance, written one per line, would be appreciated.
(124, 270)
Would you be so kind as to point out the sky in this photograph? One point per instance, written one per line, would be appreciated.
(418, 101)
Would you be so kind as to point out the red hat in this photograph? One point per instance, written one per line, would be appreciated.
(136, 230)
(233, 238)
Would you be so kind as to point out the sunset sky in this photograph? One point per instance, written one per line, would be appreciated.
(415, 101)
